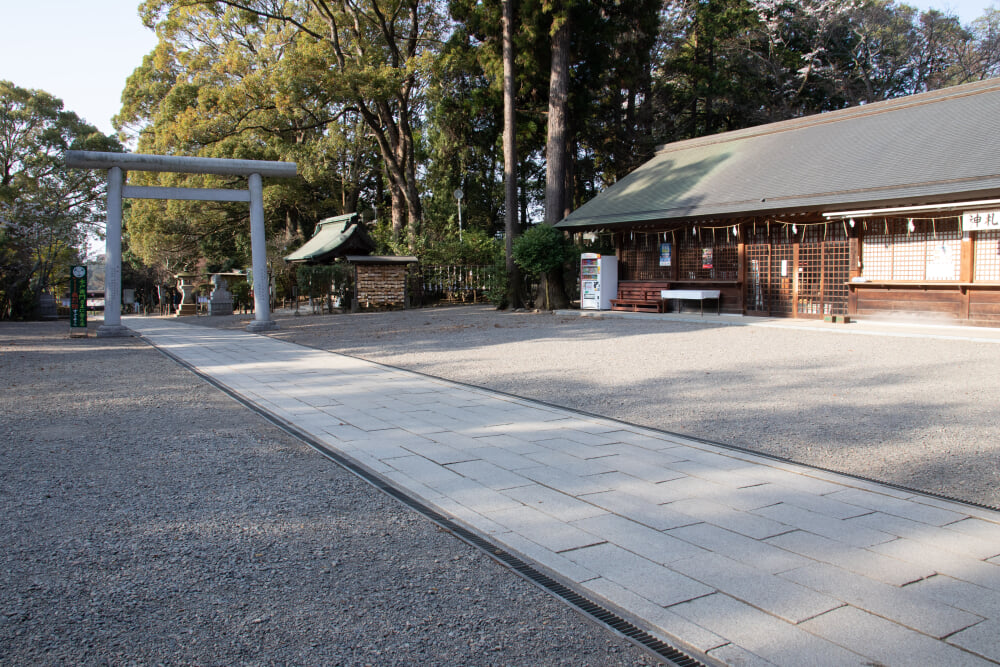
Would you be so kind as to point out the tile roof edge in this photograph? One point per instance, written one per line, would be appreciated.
(839, 115)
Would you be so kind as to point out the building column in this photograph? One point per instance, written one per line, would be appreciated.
(258, 254)
(113, 254)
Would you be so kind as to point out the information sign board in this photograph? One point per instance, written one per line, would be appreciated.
(78, 297)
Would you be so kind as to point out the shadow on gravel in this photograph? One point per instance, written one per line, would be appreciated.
(910, 411)
(149, 518)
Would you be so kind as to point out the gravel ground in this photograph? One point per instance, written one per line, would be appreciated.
(148, 518)
(911, 411)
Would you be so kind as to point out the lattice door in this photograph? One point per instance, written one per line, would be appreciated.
(987, 257)
(836, 273)
(822, 272)
(782, 279)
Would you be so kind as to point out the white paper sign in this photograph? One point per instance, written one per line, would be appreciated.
(979, 220)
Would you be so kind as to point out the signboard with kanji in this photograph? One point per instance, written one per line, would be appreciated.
(973, 221)
(78, 297)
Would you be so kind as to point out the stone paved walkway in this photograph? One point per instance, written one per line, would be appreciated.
(743, 559)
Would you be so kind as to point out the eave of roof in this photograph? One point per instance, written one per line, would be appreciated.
(381, 259)
(331, 234)
(937, 146)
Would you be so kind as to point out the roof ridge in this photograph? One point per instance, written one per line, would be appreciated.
(839, 115)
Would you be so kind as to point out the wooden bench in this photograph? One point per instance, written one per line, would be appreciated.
(693, 295)
(638, 298)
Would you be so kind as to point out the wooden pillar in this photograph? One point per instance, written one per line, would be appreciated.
(854, 257)
(795, 278)
(967, 270)
(741, 272)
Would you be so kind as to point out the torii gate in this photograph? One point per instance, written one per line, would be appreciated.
(118, 163)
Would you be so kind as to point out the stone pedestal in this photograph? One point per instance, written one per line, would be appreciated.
(186, 288)
(221, 301)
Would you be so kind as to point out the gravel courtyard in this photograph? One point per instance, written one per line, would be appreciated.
(150, 519)
(911, 411)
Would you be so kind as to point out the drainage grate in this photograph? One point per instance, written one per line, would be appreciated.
(604, 616)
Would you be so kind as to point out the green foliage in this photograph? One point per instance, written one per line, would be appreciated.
(314, 280)
(46, 209)
(241, 296)
(318, 281)
(542, 249)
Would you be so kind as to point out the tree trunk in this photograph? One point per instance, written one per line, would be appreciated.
(514, 299)
(551, 290)
(398, 211)
(555, 147)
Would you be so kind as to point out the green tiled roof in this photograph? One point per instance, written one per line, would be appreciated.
(927, 148)
(334, 237)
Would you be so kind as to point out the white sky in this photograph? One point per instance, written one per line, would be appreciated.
(82, 52)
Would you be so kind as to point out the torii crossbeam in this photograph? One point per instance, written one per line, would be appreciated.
(118, 163)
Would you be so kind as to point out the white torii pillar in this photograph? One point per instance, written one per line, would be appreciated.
(118, 163)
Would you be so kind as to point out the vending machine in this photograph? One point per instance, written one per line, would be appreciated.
(598, 281)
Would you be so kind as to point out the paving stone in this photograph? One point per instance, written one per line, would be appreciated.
(673, 629)
(570, 463)
(650, 492)
(717, 514)
(885, 641)
(370, 462)
(955, 565)
(565, 482)
(440, 454)
(984, 530)
(473, 520)
(639, 575)
(646, 441)
(642, 469)
(902, 605)
(412, 487)
(657, 517)
(383, 450)
(562, 567)
(763, 495)
(949, 540)
(475, 496)
(646, 542)
(503, 458)
(733, 655)
(423, 470)
(690, 487)
(731, 478)
(853, 559)
(544, 529)
(803, 479)
(835, 529)
(982, 639)
(598, 426)
(489, 474)
(556, 504)
(573, 448)
(775, 595)
(508, 443)
(764, 635)
(456, 440)
(584, 437)
(740, 548)
(908, 509)
(961, 594)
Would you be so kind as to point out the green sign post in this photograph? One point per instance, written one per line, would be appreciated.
(78, 298)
